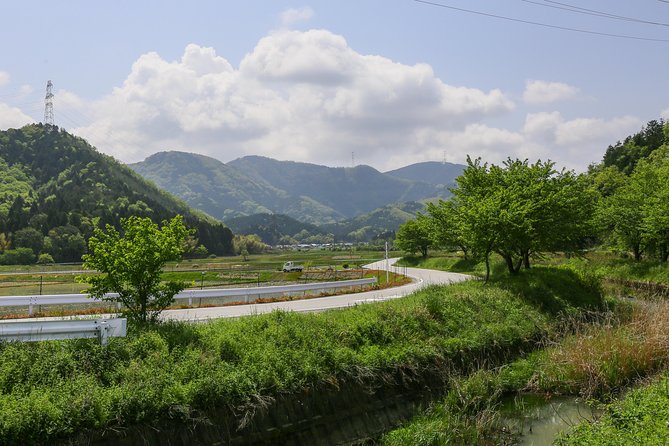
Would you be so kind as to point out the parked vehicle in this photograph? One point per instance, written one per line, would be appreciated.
(291, 267)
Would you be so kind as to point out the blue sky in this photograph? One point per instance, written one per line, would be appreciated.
(395, 81)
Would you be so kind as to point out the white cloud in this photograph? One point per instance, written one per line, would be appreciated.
(308, 96)
(542, 92)
(295, 15)
(305, 96)
(665, 114)
(576, 142)
(11, 117)
(4, 78)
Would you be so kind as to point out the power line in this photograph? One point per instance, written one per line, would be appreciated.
(580, 10)
(545, 25)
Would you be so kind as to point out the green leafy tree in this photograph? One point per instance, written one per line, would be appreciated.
(519, 209)
(65, 244)
(130, 264)
(18, 256)
(415, 235)
(29, 238)
(447, 228)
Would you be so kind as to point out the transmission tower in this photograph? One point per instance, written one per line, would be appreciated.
(48, 104)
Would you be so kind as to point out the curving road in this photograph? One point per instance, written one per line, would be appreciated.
(421, 278)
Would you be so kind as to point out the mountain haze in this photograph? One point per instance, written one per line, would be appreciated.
(432, 172)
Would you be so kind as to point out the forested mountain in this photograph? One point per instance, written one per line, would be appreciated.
(432, 172)
(55, 189)
(275, 229)
(625, 155)
(381, 223)
(307, 192)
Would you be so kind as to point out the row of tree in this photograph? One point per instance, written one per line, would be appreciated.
(518, 210)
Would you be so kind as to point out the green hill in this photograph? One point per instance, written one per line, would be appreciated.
(257, 185)
(59, 186)
(273, 229)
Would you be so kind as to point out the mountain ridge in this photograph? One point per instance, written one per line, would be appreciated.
(310, 193)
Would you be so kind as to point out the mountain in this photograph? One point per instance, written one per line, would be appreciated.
(252, 185)
(442, 174)
(381, 223)
(57, 185)
(274, 229)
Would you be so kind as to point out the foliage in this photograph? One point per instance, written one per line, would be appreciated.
(625, 155)
(516, 210)
(44, 259)
(640, 418)
(131, 265)
(253, 185)
(251, 244)
(50, 390)
(18, 256)
(51, 180)
(415, 235)
(637, 213)
(29, 238)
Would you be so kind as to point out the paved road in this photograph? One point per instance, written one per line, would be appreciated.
(421, 278)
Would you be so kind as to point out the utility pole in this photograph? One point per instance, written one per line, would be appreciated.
(48, 104)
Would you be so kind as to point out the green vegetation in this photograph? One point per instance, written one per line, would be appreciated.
(55, 189)
(252, 185)
(131, 265)
(589, 358)
(640, 418)
(53, 389)
(517, 210)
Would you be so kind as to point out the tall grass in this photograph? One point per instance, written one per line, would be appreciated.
(179, 371)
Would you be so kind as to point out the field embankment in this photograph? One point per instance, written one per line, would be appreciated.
(182, 373)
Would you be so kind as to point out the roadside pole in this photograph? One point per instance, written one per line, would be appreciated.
(387, 267)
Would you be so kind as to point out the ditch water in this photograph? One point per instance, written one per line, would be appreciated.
(539, 419)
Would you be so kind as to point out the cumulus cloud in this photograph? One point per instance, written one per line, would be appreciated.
(304, 96)
(576, 142)
(11, 117)
(541, 92)
(4, 78)
(295, 15)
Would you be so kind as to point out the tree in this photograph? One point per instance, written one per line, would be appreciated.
(18, 256)
(65, 244)
(414, 235)
(29, 238)
(131, 263)
(520, 209)
(446, 228)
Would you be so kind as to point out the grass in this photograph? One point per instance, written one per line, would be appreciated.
(640, 418)
(594, 359)
(51, 390)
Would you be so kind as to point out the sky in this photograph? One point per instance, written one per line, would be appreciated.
(385, 83)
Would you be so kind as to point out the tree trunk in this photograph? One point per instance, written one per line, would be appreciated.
(508, 259)
(526, 259)
(487, 267)
(637, 252)
(664, 253)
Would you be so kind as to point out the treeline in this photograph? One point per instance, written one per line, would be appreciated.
(519, 210)
(55, 189)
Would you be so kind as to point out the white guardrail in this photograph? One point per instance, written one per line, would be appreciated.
(27, 331)
(62, 299)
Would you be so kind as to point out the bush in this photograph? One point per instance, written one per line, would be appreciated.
(45, 259)
(18, 256)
